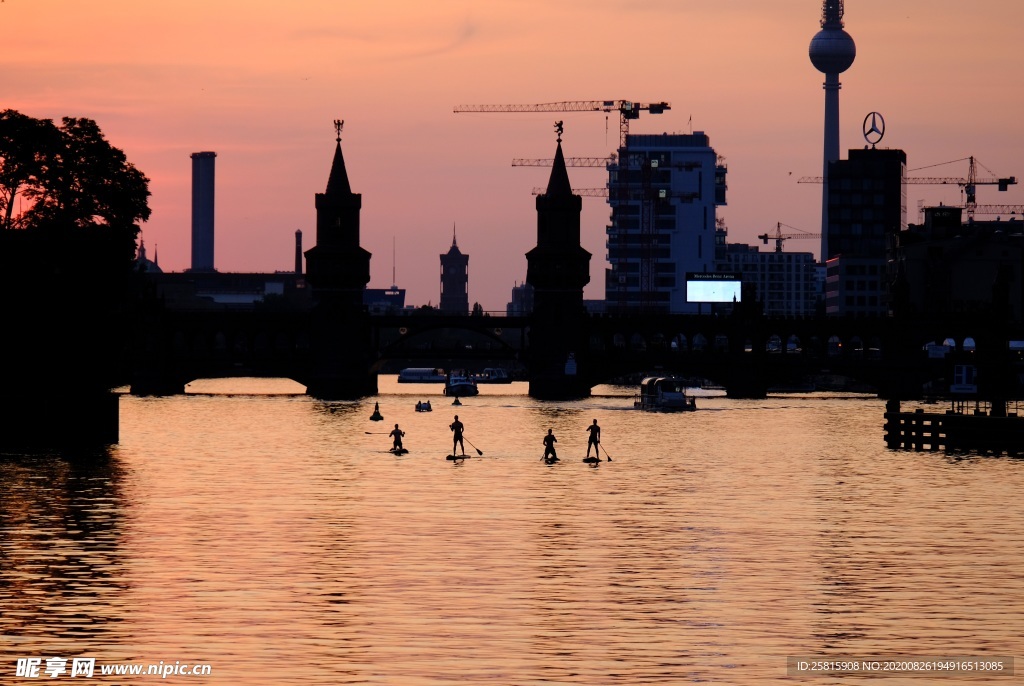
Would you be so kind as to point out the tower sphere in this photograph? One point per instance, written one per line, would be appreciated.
(832, 51)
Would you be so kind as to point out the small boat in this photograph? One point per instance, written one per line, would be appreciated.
(492, 375)
(460, 386)
(423, 407)
(664, 394)
(421, 375)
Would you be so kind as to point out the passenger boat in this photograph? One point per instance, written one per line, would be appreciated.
(492, 375)
(664, 394)
(422, 375)
(460, 386)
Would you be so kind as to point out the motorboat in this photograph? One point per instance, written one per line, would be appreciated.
(664, 394)
(460, 386)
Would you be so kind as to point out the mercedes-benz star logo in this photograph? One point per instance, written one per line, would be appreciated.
(874, 128)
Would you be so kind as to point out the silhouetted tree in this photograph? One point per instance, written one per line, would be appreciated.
(72, 205)
(72, 178)
(478, 310)
(25, 145)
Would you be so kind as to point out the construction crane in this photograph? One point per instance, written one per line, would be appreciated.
(999, 209)
(968, 184)
(569, 162)
(627, 109)
(778, 236)
(582, 192)
(602, 192)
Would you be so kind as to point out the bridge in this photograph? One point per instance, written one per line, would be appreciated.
(746, 356)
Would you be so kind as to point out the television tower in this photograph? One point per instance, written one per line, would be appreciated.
(832, 51)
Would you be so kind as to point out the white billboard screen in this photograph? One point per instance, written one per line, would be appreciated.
(713, 288)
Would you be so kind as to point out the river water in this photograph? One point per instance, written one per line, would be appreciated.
(273, 537)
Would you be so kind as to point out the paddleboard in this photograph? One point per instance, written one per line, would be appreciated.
(550, 460)
(400, 451)
(592, 460)
(461, 457)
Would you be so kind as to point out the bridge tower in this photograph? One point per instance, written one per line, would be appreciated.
(338, 270)
(558, 269)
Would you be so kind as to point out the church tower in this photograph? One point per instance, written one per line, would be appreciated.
(338, 269)
(454, 280)
(558, 268)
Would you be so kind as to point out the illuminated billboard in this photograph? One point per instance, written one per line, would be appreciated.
(713, 288)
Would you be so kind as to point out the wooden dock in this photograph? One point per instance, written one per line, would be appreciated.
(959, 429)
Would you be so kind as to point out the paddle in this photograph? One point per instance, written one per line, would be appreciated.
(605, 452)
(478, 451)
(376, 433)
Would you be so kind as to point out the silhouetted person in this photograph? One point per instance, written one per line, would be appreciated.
(549, 447)
(397, 434)
(457, 428)
(595, 439)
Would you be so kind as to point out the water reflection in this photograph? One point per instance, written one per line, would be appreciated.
(62, 577)
(275, 537)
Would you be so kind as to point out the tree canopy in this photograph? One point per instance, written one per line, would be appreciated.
(67, 177)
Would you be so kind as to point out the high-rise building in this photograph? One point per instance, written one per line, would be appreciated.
(454, 280)
(832, 52)
(202, 210)
(663, 192)
(867, 210)
(867, 202)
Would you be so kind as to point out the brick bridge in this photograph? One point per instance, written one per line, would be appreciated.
(747, 356)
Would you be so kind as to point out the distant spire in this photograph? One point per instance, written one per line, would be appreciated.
(455, 243)
(559, 184)
(337, 182)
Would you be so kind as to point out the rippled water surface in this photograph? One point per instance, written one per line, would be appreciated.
(274, 537)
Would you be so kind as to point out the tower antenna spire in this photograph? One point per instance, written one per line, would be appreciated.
(832, 51)
(832, 13)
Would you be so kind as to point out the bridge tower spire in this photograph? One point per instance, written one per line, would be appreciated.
(338, 269)
(558, 268)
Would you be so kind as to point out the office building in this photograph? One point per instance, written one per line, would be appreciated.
(663, 191)
(782, 282)
(867, 210)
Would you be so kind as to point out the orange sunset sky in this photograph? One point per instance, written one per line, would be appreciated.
(261, 82)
